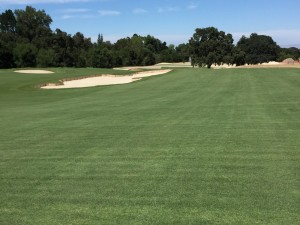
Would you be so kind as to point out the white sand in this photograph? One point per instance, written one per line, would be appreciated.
(224, 66)
(104, 80)
(271, 63)
(120, 68)
(34, 71)
(160, 66)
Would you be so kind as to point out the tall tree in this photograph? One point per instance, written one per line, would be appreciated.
(292, 52)
(7, 38)
(209, 46)
(81, 49)
(183, 51)
(258, 48)
(33, 25)
(6, 55)
(8, 21)
(63, 45)
(25, 55)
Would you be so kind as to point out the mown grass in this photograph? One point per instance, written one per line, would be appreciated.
(190, 147)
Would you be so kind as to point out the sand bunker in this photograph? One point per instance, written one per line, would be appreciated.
(158, 66)
(272, 65)
(34, 71)
(100, 80)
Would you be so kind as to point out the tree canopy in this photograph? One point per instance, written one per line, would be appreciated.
(26, 40)
(210, 46)
(258, 48)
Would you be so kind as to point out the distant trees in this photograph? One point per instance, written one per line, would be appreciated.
(7, 38)
(33, 26)
(183, 51)
(139, 50)
(102, 54)
(25, 55)
(8, 22)
(6, 55)
(258, 48)
(210, 46)
(26, 40)
(285, 53)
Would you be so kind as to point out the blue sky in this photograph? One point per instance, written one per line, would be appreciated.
(173, 21)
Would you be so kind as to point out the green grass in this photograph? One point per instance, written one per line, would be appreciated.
(195, 146)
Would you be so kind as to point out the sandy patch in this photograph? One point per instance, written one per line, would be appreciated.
(34, 71)
(106, 79)
(223, 66)
(120, 68)
(272, 65)
(160, 66)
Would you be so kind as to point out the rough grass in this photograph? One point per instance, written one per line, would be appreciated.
(190, 147)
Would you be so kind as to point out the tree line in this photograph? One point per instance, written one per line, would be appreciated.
(26, 40)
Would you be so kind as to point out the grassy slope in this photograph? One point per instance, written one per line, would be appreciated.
(189, 147)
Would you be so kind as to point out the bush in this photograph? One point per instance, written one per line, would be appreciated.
(45, 58)
(25, 55)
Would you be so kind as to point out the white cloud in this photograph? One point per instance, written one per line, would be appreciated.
(66, 17)
(75, 16)
(168, 9)
(192, 6)
(26, 2)
(79, 10)
(109, 13)
(139, 11)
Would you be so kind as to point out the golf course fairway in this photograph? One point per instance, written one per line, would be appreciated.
(194, 146)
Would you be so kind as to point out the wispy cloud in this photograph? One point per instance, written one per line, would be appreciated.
(26, 2)
(66, 17)
(79, 10)
(109, 13)
(192, 6)
(75, 13)
(139, 11)
(75, 16)
(168, 9)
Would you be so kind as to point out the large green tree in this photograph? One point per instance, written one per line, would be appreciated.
(8, 21)
(210, 46)
(7, 38)
(63, 45)
(45, 58)
(285, 53)
(6, 55)
(33, 26)
(258, 48)
(26, 39)
(25, 55)
(81, 49)
(183, 51)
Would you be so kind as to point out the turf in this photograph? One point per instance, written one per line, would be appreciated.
(195, 146)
